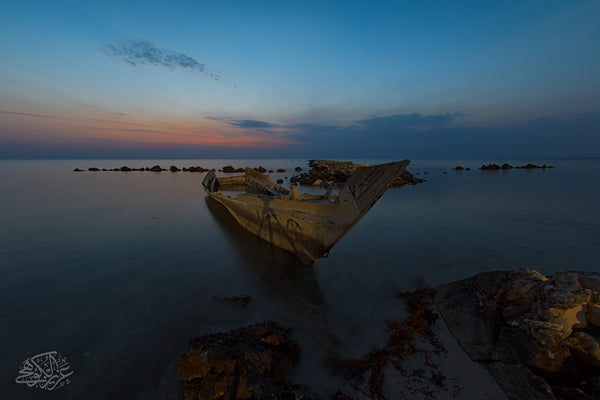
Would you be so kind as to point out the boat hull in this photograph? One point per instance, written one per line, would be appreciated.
(307, 226)
(308, 236)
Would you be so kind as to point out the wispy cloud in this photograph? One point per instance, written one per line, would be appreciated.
(143, 52)
(410, 121)
(245, 123)
(20, 114)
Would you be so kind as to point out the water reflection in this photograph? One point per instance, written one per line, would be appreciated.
(285, 280)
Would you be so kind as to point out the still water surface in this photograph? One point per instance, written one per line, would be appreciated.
(117, 270)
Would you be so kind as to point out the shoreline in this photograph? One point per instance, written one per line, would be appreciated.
(436, 351)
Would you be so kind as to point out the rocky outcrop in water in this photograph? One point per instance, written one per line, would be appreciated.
(505, 166)
(253, 362)
(538, 336)
(337, 172)
(533, 166)
(490, 167)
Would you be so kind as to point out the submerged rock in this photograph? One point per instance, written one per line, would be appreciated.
(93, 169)
(78, 170)
(156, 168)
(529, 328)
(253, 362)
(173, 168)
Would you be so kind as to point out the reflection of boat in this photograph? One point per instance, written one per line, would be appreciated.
(306, 225)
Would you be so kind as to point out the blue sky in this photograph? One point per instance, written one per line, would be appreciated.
(299, 79)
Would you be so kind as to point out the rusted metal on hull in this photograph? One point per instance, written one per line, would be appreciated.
(307, 226)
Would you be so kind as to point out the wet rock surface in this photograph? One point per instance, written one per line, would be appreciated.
(253, 362)
(538, 336)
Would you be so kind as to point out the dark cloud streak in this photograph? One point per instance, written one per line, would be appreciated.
(245, 123)
(143, 52)
(20, 114)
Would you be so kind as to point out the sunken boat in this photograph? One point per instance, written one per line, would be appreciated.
(306, 225)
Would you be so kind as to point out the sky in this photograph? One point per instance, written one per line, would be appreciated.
(299, 79)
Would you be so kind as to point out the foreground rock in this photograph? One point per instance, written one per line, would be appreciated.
(538, 336)
(253, 362)
(328, 172)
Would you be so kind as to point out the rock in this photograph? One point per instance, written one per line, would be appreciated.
(338, 172)
(585, 349)
(533, 166)
(280, 170)
(458, 168)
(589, 282)
(520, 383)
(197, 169)
(279, 181)
(185, 169)
(529, 166)
(317, 182)
(592, 315)
(104, 169)
(93, 169)
(174, 169)
(156, 168)
(78, 170)
(261, 169)
(490, 167)
(406, 178)
(511, 319)
(474, 333)
(253, 362)
(506, 166)
(228, 169)
(125, 169)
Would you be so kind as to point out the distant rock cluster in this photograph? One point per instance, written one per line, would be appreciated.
(505, 166)
(322, 172)
(155, 168)
(538, 336)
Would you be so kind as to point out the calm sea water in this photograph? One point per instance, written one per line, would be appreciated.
(116, 271)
